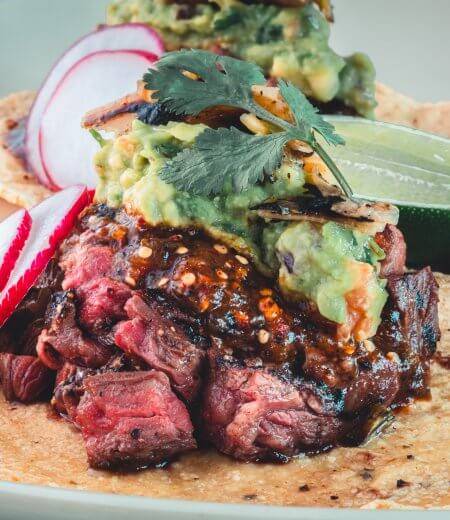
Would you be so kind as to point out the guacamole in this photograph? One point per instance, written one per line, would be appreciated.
(290, 43)
(128, 170)
(333, 267)
(330, 265)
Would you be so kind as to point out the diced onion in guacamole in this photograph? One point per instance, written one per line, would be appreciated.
(287, 42)
(335, 268)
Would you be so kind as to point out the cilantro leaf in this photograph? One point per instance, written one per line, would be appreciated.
(223, 81)
(98, 137)
(306, 115)
(225, 156)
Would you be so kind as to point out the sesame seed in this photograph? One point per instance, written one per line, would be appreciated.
(181, 250)
(242, 259)
(223, 250)
(393, 356)
(228, 265)
(163, 281)
(145, 252)
(222, 274)
(188, 279)
(172, 328)
(370, 347)
(263, 336)
(130, 281)
(160, 332)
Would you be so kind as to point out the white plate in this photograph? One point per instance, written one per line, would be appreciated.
(21, 502)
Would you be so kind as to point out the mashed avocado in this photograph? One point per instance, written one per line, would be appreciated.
(128, 170)
(335, 268)
(291, 43)
(328, 264)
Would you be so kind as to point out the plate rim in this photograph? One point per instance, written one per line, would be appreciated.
(15, 497)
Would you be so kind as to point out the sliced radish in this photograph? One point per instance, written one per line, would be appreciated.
(132, 36)
(52, 221)
(14, 232)
(66, 148)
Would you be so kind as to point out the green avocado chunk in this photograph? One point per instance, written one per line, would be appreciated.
(286, 42)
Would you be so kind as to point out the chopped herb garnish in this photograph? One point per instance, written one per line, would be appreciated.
(223, 156)
(97, 136)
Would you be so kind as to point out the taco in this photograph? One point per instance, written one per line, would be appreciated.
(224, 293)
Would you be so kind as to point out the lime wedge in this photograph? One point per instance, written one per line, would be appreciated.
(408, 168)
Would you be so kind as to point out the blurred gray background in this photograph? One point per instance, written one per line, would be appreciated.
(409, 40)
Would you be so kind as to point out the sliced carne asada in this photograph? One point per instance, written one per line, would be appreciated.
(145, 305)
(64, 341)
(162, 345)
(24, 378)
(20, 332)
(132, 420)
(393, 244)
(410, 328)
(102, 305)
(254, 414)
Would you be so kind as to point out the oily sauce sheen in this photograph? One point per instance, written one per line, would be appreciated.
(241, 310)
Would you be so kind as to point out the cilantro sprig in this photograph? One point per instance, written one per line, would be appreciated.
(229, 155)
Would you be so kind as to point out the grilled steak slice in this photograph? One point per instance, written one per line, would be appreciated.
(69, 388)
(69, 384)
(83, 262)
(20, 332)
(162, 345)
(377, 384)
(132, 420)
(24, 378)
(255, 414)
(64, 341)
(392, 242)
(102, 302)
(410, 327)
(141, 308)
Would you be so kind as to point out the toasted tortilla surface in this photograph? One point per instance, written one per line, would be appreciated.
(406, 467)
(397, 108)
(17, 185)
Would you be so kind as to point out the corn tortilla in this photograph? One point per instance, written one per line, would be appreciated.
(17, 185)
(394, 107)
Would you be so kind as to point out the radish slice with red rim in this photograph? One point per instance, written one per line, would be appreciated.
(14, 232)
(66, 148)
(132, 36)
(52, 221)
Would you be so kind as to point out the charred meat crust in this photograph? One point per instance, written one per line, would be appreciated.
(172, 318)
(24, 378)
